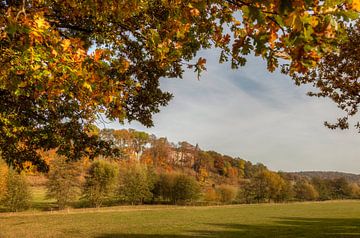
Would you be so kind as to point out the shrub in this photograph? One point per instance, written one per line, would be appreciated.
(210, 195)
(100, 182)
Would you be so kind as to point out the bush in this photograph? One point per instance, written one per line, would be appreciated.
(210, 195)
(63, 182)
(17, 196)
(100, 182)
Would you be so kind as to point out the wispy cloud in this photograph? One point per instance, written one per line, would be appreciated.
(257, 115)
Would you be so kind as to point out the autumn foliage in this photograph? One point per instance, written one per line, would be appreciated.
(66, 64)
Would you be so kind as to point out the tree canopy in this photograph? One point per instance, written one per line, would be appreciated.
(337, 77)
(65, 64)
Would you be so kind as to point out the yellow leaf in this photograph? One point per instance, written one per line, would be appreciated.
(314, 21)
(272, 39)
(35, 67)
(87, 86)
(54, 53)
(124, 66)
(355, 5)
(65, 44)
(41, 23)
(194, 12)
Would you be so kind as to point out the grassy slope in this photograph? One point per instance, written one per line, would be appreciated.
(327, 219)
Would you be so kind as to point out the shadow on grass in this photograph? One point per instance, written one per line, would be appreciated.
(43, 206)
(281, 228)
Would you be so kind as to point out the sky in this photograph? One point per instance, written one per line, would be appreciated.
(255, 115)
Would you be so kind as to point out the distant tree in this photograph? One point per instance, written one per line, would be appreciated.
(139, 141)
(160, 152)
(100, 182)
(186, 153)
(63, 181)
(185, 189)
(219, 163)
(324, 188)
(286, 192)
(247, 192)
(163, 188)
(341, 188)
(136, 184)
(261, 184)
(17, 196)
(355, 190)
(3, 181)
(248, 171)
(204, 160)
(338, 188)
(241, 167)
(251, 170)
(226, 193)
(305, 191)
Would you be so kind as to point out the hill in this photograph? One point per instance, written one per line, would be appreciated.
(355, 178)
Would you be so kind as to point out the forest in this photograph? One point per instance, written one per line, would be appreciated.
(151, 170)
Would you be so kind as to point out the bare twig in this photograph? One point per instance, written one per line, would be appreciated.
(22, 11)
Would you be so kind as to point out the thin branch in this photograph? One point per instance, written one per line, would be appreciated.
(273, 20)
(22, 11)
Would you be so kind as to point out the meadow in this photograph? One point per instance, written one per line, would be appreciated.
(309, 219)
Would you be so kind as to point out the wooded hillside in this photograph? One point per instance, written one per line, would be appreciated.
(153, 170)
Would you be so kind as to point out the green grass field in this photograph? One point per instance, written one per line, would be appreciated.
(326, 219)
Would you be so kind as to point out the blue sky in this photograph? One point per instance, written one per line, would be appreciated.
(256, 115)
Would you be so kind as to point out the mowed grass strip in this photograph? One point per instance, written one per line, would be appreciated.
(319, 219)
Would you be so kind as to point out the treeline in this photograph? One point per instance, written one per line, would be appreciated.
(268, 186)
(152, 170)
(100, 182)
(354, 178)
